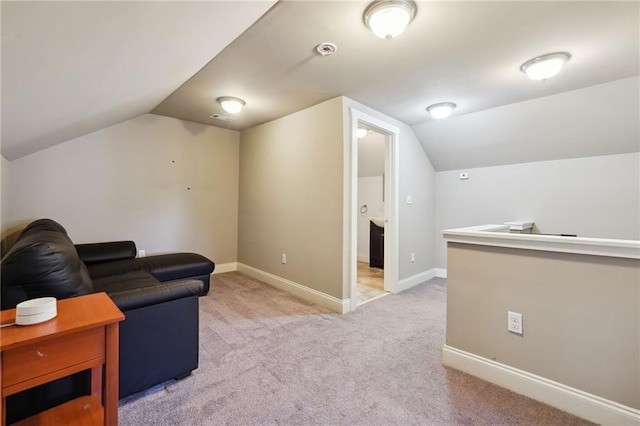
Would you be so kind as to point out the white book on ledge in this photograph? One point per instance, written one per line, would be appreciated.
(519, 225)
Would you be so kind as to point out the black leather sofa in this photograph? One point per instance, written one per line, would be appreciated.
(157, 294)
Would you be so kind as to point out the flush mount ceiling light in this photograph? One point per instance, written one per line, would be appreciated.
(442, 110)
(389, 18)
(230, 104)
(362, 132)
(545, 66)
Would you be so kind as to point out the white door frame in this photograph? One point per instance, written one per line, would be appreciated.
(391, 188)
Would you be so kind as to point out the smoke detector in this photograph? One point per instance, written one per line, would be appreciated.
(326, 49)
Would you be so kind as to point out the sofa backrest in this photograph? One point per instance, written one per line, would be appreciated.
(106, 252)
(42, 263)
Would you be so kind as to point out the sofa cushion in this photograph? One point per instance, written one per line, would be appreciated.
(43, 262)
(137, 289)
(165, 267)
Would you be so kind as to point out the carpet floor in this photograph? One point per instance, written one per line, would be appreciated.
(270, 358)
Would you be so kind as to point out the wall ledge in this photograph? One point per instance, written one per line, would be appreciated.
(498, 236)
(341, 306)
(566, 398)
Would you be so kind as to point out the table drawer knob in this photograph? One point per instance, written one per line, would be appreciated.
(40, 353)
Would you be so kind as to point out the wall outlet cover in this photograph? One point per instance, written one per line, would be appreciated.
(514, 322)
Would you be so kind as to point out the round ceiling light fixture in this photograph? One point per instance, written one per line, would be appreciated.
(546, 66)
(389, 18)
(230, 104)
(442, 110)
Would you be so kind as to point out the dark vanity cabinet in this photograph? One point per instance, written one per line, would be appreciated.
(376, 246)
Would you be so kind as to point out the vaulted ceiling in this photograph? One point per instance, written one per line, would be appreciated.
(69, 68)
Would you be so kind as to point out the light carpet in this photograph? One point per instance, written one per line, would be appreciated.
(269, 358)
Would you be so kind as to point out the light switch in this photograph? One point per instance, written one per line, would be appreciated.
(409, 199)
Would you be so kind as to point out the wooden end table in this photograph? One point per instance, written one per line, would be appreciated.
(84, 335)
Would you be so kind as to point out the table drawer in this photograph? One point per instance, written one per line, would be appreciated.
(28, 362)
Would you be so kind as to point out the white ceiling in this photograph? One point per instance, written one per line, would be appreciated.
(71, 68)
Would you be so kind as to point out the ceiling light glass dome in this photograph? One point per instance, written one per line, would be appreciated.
(230, 104)
(545, 66)
(389, 18)
(442, 110)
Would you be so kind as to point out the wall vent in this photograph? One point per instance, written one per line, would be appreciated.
(221, 117)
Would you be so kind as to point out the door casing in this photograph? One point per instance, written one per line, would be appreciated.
(391, 189)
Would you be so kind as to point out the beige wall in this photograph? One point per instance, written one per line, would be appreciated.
(592, 197)
(291, 197)
(580, 315)
(4, 189)
(417, 220)
(131, 181)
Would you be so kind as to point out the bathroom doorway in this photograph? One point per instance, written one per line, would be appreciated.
(385, 267)
(370, 222)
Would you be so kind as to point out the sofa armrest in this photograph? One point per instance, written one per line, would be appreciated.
(176, 266)
(103, 252)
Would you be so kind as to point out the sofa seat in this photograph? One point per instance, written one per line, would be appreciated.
(163, 267)
(137, 289)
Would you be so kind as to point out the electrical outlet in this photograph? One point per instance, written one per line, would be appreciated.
(514, 322)
(142, 253)
(464, 176)
(283, 258)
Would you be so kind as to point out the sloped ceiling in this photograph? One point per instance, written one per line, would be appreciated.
(75, 67)
(597, 120)
(70, 68)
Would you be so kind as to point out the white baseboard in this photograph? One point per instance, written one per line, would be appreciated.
(225, 267)
(415, 280)
(341, 306)
(364, 259)
(566, 398)
(441, 273)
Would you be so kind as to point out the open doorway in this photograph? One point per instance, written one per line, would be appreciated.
(380, 217)
(371, 214)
